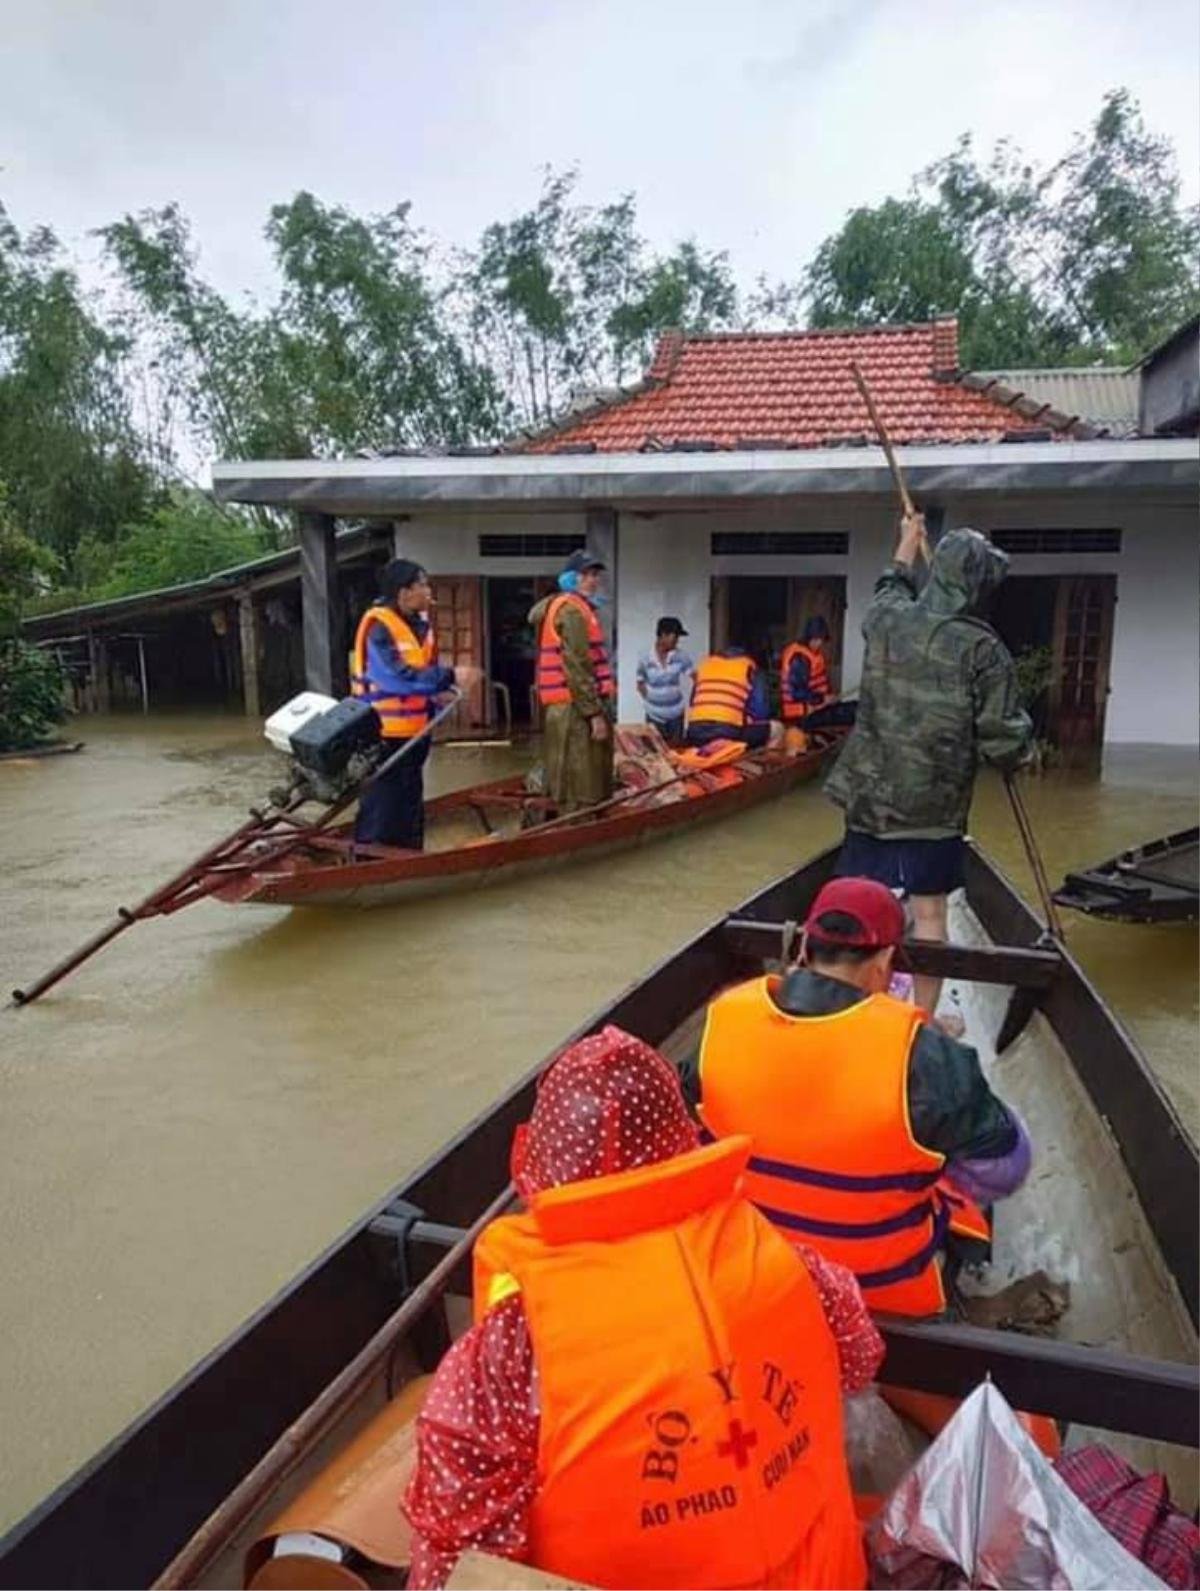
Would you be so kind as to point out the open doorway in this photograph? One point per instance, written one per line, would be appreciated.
(764, 612)
(1059, 629)
(512, 646)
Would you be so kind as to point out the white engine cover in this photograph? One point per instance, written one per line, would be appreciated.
(286, 720)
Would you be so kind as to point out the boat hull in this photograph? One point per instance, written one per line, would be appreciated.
(300, 881)
(133, 1507)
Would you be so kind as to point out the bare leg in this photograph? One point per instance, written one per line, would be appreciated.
(929, 922)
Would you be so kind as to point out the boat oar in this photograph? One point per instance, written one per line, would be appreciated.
(167, 896)
(889, 453)
(1034, 855)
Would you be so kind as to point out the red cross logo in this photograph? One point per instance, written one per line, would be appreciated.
(739, 1444)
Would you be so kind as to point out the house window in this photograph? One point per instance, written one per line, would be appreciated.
(528, 545)
(1057, 541)
(776, 543)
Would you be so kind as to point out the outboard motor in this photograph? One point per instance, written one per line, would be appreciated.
(333, 745)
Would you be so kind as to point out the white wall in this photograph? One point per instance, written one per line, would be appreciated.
(664, 566)
(1155, 676)
(448, 545)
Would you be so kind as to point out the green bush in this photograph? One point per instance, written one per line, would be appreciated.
(31, 694)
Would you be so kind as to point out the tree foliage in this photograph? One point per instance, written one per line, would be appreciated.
(1091, 258)
(68, 450)
(31, 684)
(567, 297)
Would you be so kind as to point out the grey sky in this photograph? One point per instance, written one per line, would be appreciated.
(753, 125)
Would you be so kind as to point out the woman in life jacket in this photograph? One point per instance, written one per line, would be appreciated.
(651, 1394)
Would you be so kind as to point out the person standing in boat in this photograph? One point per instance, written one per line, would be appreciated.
(876, 1136)
(651, 1394)
(395, 667)
(938, 696)
(730, 701)
(575, 686)
(664, 679)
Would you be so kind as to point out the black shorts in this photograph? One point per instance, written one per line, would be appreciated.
(919, 867)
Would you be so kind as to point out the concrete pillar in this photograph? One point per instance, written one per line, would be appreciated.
(248, 634)
(602, 537)
(324, 642)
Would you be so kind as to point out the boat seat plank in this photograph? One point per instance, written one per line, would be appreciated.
(1134, 1395)
(1023, 969)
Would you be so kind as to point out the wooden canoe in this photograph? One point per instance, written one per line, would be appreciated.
(332, 871)
(178, 1497)
(1158, 882)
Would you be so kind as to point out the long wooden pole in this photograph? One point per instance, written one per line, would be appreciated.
(1036, 866)
(884, 440)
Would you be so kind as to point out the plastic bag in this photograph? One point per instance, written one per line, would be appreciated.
(983, 1507)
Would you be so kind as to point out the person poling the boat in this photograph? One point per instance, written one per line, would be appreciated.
(730, 702)
(651, 1395)
(664, 679)
(938, 696)
(576, 687)
(876, 1136)
(395, 667)
(808, 699)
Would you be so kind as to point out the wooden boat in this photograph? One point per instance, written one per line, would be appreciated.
(180, 1496)
(476, 836)
(1158, 882)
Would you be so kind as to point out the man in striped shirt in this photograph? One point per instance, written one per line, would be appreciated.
(664, 680)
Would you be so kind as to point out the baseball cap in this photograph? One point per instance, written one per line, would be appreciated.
(877, 914)
(668, 624)
(582, 559)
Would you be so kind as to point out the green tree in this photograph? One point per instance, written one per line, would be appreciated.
(566, 297)
(68, 451)
(31, 684)
(1091, 258)
(370, 358)
(186, 538)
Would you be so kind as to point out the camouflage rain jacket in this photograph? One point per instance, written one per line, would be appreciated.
(939, 692)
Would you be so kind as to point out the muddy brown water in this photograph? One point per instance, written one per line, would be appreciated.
(194, 1115)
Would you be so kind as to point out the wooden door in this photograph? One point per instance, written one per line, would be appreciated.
(458, 619)
(1083, 630)
(824, 596)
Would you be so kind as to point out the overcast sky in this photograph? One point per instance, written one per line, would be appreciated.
(752, 125)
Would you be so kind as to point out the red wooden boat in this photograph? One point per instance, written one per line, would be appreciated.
(478, 835)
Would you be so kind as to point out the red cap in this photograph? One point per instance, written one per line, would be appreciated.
(878, 915)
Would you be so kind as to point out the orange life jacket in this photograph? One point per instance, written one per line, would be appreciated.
(722, 691)
(818, 681)
(402, 716)
(690, 1419)
(552, 687)
(835, 1164)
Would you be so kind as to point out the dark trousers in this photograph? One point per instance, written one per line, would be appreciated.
(701, 732)
(840, 715)
(392, 810)
(671, 729)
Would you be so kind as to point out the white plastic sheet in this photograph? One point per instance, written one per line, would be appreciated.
(984, 1502)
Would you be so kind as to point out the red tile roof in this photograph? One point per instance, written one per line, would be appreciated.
(795, 390)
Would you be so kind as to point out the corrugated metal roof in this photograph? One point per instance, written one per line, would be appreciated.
(1104, 396)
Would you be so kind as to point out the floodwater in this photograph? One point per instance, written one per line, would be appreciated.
(194, 1115)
